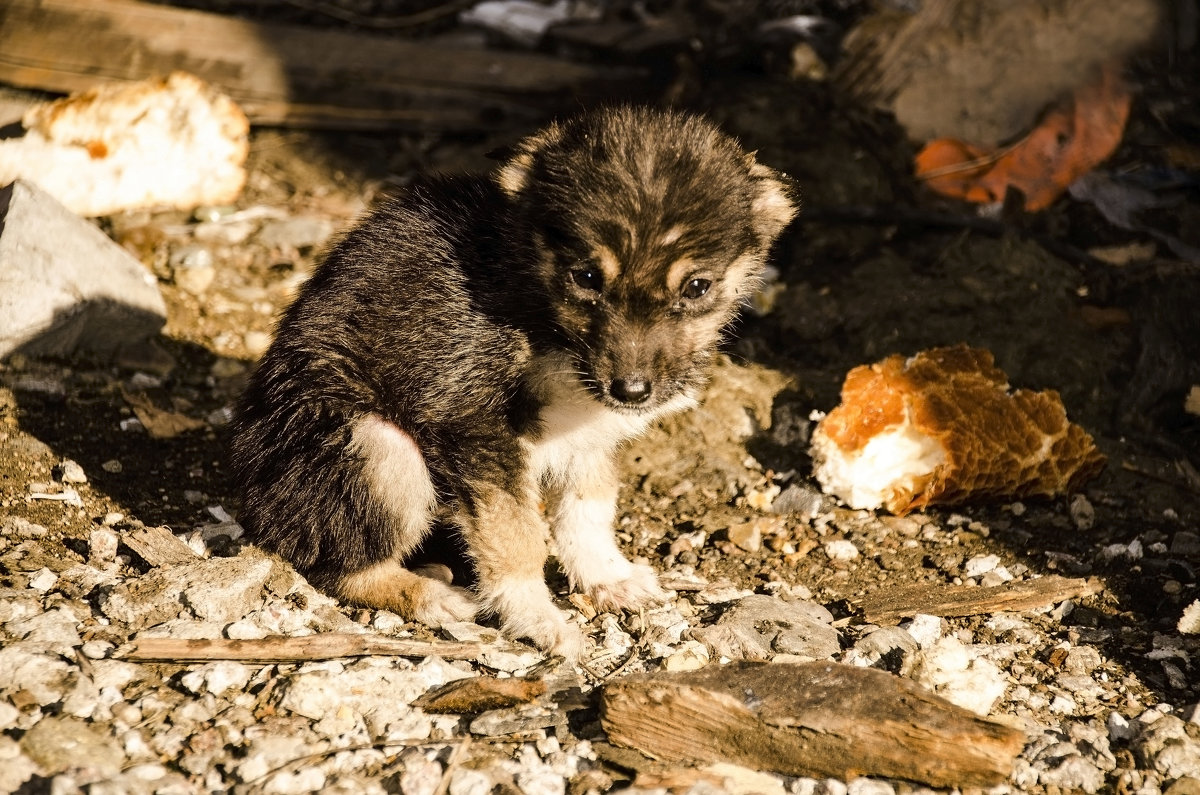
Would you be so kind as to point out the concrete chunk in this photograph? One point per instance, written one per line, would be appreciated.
(65, 287)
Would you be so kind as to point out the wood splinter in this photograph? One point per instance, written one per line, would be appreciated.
(280, 649)
(809, 719)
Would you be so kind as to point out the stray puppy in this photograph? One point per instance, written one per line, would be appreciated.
(479, 346)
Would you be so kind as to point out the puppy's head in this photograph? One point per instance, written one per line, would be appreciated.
(651, 228)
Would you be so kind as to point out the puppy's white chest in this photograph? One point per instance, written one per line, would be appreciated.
(576, 429)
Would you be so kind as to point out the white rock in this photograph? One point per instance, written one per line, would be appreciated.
(691, 656)
(841, 549)
(55, 630)
(980, 565)
(960, 674)
(71, 472)
(421, 776)
(102, 546)
(925, 629)
(1073, 773)
(470, 782)
(1189, 621)
(299, 782)
(15, 767)
(8, 716)
(47, 677)
(217, 677)
(1119, 728)
(869, 786)
(43, 580)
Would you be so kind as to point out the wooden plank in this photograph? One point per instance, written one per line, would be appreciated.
(281, 649)
(809, 719)
(281, 74)
(889, 606)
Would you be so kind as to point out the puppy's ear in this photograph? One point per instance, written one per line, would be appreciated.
(776, 200)
(513, 176)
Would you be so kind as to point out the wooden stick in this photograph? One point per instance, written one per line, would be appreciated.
(889, 606)
(285, 74)
(280, 649)
(809, 719)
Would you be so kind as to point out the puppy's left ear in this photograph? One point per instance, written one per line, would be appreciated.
(776, 200)
(513, 176)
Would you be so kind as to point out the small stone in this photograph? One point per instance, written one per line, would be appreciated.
(112, 466)
(746, 536)
(43, 580)
(102, 546)
(59, 744)
(1189, 621)
(192, 268)
(1082, 512)
(691, 656)
(841, 550)
(980, 565)
(22, 528)
(70, 472)
(216, 677)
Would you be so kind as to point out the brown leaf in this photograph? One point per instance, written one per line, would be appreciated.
(1072, 138)
(480, 694)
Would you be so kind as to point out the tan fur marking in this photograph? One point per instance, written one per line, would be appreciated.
(773, 207)
(680, 269)
(513, 176)
(671, 235)
(610, 266)
(389, 586)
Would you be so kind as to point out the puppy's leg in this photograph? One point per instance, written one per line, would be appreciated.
(400, 492)
(506, 536)
(582, 512)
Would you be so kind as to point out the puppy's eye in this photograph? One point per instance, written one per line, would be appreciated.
(696, 288)
(588, 278)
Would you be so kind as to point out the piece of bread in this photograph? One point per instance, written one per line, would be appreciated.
(943, 427)
(169, 142)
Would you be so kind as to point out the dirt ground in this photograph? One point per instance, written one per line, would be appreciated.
(1120, 343)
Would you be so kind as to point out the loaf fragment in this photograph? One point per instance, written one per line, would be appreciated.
(944, 427)
(172, 142)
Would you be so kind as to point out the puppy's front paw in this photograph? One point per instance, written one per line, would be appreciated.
(526, 611)
(637, 589)
(440, 604)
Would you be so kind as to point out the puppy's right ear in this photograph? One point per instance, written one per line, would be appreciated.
(513, 176)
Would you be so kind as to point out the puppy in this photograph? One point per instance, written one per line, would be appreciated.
(477, 349)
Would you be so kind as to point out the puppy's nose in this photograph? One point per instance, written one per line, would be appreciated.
(633, 389)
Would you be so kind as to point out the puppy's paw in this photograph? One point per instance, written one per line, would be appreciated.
(440, 604)
(526, 611)
(637, 589)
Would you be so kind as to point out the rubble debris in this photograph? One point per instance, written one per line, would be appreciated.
(809, 719)
(944, 427)
(65, 287)
(759, 627)
(164, 142)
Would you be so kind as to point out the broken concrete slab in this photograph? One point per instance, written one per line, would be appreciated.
(65, 287)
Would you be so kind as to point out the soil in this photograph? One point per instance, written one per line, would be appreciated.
(1120, 344)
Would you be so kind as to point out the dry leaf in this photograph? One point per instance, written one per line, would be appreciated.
(1072, 138)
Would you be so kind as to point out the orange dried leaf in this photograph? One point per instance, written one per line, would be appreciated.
(1072, 138)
